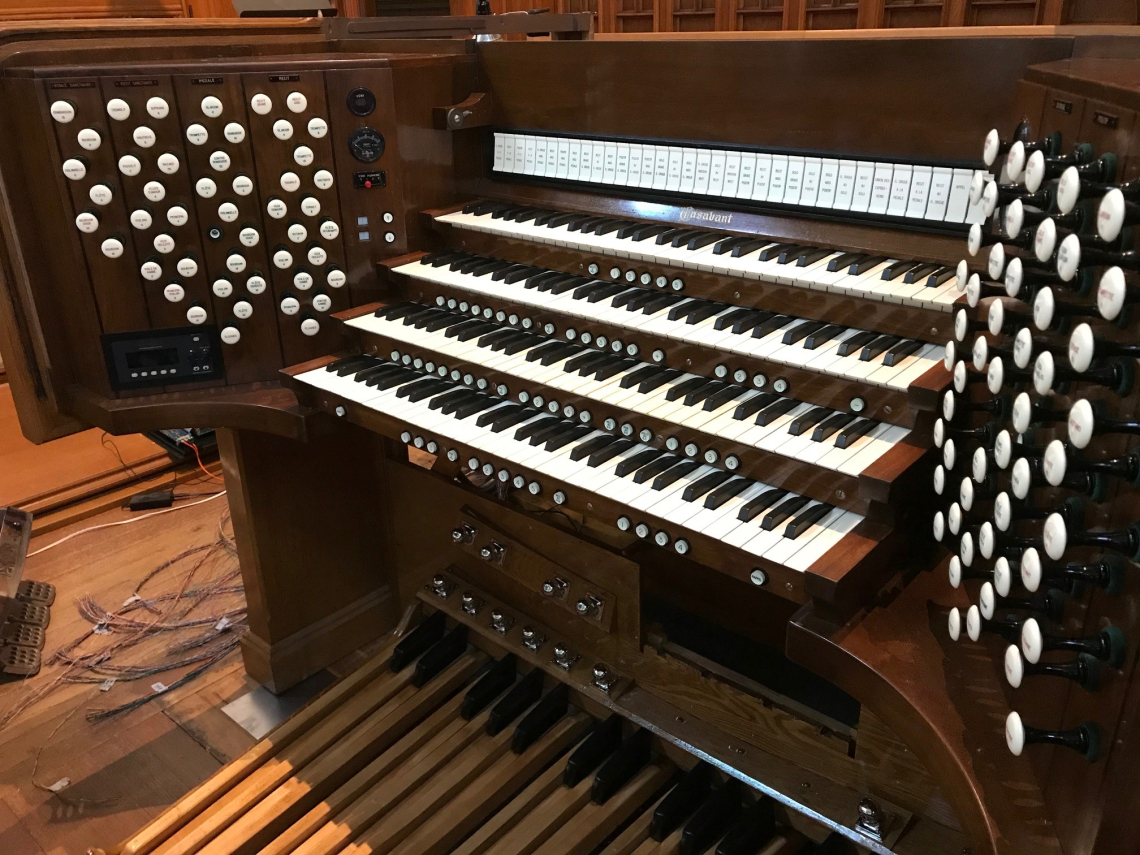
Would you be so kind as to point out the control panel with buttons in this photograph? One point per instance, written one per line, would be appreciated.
(253, 197)
(164, 358)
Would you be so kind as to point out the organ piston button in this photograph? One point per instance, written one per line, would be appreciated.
(220, 161)
(296, 102)
(276, 208)
(297, 232)
(290, 181)
(129, 165)
(388, 217)
(261, 103)
(100, 194)
(228, 212)
(112, 247)
(336, 278)
(310, 206)
(177, 216)
(151, 270)
(164, 243)
(144, 137)
(63, 111)
(197, 134)
(318, 127)
(249, 236)
(323, 179)
(174, 292)
(242, 309)
(317, 255)
(231, 335)
(222, 288)
(212, 106)
(196, 315)
(282, 258)
(389, 237)
(283, 129)
(74, 168)
(322, 302)
(187, 267)
(89, 139)
(118, 109)
(157, 107)
(290, 306)
(303, 155)
(243, 185)
(206, 187)
(168, 163)
(87, 222)
(255, 285)
(235, 262)
(329, 230)
(310, 326)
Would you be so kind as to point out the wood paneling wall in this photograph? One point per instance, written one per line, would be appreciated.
(663, 16)
(31, 10)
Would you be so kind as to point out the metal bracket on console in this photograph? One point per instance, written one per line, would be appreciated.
(474, 112)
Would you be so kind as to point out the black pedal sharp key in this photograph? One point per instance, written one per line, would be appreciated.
(603, 740)
(498, 678)
(621, 766)
(429, 631)
(440, 655)
(544, 716)
(691, 791)
(712, 819)
(754, 828)
(525, 692)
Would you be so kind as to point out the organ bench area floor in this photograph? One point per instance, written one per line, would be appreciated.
(615, 396)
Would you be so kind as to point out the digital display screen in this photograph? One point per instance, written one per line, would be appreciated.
(153, 358)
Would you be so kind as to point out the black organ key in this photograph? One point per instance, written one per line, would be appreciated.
(652, 470)
(425, 390)
(712, 818)
(513, 337)
(609, 452)
(603, 740)
(822, 336)
(844, 260)
(611, 226)
(790, 253)
(659, 302)
(879, 345)
(702, 240)
(901, 351)
(580, 222)
(467, 410)
(690, 792)
(749, 321)
(831, 425)
(855, 342)
(755, 827)
(519, 274)
(685, 236)
(491, 337)
(348, 365)
(749, 246)
(442, 322)
(466, 264)
(632, 464)
(491, 418)
(457, 329)
(730, 318)
(621, 766)
(729, 393)
(572, 433)
(391, 381)
(394, 313)
(782, 512)
(807, 519)
(770, 325)
(489, 266)
(754, 405)
(674, 473)
(698, 396)
(536, 282)
(705, 312)
(726, 491)
(497, 276)
(440, 655)
(589, 447)
(801, 330)
(549, 347)
(438, 259)
(611, 371)
(685, 387)
(549, 432)
(808, 419)
(728, 245)
(567, 285)
(760, 503)
(684, 310)
(376, 371)
(530, 430)
(608, 291)
(865, 263)
(810, 257)
(703, 485)
(626, 297)
(560, 220)
(584, 360)
(524, 342)
(545, 714)
(668, 235)
(641, 374)
(560, 353)
(770, 414)
(647, 231)
(898, 268)
(409, 648)
(503, 422)
(524, 693)
(498, 677)
(917, 273)
(446, 404)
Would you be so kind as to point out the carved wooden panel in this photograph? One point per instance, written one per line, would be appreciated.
(831, 14)
(694, 15)
(30, 10)
(1003, 13)
(635, 16)
(759, 14)
(912, 13)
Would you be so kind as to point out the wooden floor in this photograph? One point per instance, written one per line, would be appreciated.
(123, 770)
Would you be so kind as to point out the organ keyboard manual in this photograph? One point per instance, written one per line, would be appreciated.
(728, 444)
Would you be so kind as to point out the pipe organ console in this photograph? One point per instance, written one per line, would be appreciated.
(612, 381)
